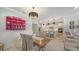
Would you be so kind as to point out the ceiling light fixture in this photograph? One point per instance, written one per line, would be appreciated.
(33, 14)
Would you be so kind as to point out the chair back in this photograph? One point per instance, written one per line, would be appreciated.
(27, 43)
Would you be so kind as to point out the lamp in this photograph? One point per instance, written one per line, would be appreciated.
(33, 14)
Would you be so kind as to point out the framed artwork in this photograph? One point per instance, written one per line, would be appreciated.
(15, 23)
(71, 22)
(72, 26)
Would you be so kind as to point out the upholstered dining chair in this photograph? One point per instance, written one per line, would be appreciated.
(27, 43)
(70, 42)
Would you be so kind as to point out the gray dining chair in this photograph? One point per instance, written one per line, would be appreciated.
(27, 43)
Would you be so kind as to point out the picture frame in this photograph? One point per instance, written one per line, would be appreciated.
(72, 22)
(15, 23)
(72, 27)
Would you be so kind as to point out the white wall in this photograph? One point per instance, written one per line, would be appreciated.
(7, 36)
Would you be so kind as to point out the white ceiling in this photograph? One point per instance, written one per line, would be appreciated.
(48, 12)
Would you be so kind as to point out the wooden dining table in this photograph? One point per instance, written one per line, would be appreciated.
(41, 42)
